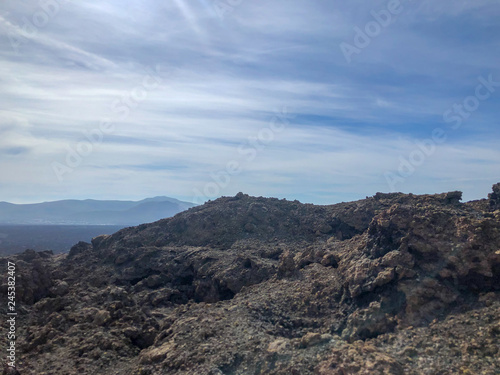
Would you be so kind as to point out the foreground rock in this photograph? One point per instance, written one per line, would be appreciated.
(394, 284)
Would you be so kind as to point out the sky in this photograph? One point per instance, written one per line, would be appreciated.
(320, 101)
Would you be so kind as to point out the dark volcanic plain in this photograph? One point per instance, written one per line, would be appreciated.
(58, 238)
(393, 284)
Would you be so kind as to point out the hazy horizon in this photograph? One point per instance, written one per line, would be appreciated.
(84, 199)
(189, 201)
(317, 101)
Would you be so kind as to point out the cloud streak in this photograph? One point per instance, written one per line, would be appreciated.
(223, 80)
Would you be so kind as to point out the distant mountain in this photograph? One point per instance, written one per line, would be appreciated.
(92, 212)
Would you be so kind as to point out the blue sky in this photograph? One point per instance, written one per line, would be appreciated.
(198, 99)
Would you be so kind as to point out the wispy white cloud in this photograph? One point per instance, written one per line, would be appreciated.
(223, 80)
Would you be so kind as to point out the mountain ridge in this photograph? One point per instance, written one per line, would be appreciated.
(91, 211)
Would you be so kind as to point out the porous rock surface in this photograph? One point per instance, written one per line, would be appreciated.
(393, 284)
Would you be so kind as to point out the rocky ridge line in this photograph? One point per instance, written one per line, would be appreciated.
(393, 284)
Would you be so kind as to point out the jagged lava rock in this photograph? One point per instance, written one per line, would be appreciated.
(393, 284)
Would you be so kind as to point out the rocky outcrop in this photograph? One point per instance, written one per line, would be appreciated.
(494, 198)
(394, 284)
